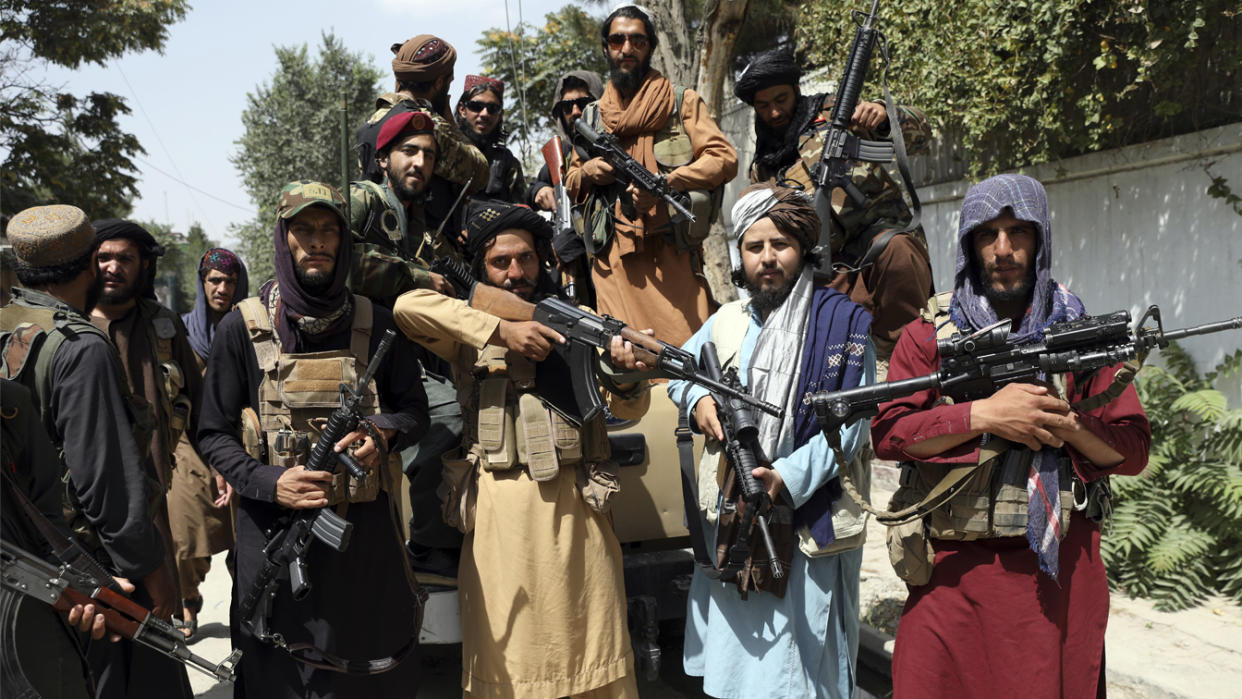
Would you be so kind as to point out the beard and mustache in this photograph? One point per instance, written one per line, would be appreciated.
(628, 80)
(313, 282)
(767, 300)
(995, 296)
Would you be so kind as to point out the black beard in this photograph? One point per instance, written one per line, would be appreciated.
(313, 283)
(113, 298)
(628, 82)
(441, 101)
(777, 149)
(404, 194)
(767, 300)
(1002, 296)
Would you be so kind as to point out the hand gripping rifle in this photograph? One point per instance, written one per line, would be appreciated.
(286, 548)
(64, 586)
(974, 366)
(742, 450)
(627, 170)
(553, 155)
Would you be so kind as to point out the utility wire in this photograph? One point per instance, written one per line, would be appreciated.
(248, 209)
(521, 76)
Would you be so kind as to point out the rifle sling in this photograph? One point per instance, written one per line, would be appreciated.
(690, 497)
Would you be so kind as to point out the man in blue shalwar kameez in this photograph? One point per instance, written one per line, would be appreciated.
(790, 336)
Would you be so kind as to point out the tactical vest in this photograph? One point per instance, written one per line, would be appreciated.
(386, 219)
(849, 521)
(30, 334)
(176, 404)
(299, 391)
(516, 428)
(993, 502)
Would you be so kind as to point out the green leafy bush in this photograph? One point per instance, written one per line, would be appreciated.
(1176, 535)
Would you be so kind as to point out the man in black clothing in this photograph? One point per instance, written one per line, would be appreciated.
(480, 114)
(282, 355)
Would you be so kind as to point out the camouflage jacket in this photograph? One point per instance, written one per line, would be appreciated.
(885, 206)
(458, 161)
(392, 246)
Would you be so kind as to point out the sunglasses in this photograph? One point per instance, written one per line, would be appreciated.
(638, 41)
(566, 107)
(479, 106)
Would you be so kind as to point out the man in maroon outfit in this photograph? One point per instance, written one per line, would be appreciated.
(1016, 600)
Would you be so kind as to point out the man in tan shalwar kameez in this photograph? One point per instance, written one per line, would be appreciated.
(541, 590)
(649, 273)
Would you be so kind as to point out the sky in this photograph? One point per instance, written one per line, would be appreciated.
(187, 103)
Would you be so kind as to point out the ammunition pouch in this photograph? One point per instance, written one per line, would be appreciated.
(459, 487)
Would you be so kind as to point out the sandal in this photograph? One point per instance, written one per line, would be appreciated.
(190, 609)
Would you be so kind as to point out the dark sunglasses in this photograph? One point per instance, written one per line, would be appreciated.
(638, 41)
(566, 107)
(479, 106)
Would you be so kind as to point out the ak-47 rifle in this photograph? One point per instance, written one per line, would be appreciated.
(553, 155)
(842, 148)
(286, 547)
(743, 453)
(627, 170)
(585, 334)
(64, 586)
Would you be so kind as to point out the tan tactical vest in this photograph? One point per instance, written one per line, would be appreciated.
(516, 428)
(849, 521)
(993, 502)
(299, 391)
(176, 404)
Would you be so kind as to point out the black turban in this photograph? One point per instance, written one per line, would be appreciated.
(148, 247)
(774, 67)
(488, 218)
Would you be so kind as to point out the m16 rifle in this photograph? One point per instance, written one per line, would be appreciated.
(745, 495)
(286, 547)
(627, 170)
(64, 586)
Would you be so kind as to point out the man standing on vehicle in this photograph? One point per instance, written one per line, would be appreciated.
(647, 269)
(541, 590)
(480, 114)
(788, 337)
(1008, 596)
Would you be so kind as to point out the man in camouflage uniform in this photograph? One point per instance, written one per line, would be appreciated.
(789, 132)
(423, 68)
(99, 428)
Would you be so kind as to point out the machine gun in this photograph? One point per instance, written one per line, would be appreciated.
(627, 170)
(744, 495)
(64, 586)
(562, 222)
(286, 547)
(974, 366)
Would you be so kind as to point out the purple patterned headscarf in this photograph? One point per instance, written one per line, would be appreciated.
(198, 321)
(1050, 302)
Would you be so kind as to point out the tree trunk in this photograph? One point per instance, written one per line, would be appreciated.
(675, 56)
(722, 20)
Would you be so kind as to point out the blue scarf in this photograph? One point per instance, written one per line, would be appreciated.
(832, 360)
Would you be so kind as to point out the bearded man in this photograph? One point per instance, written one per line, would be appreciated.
(790, 336)
(541, 590)
(199, 500)
(481, 114)
(789, 140)
(1008, 596)
(273, 377)
(648, 270)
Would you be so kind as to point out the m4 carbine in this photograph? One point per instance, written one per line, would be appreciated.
(974, 366)
(627, 170)
(64, 586)
(286, 547)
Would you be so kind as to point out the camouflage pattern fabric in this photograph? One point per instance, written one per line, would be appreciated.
(885, 208)
(298, 195)
(457, 160)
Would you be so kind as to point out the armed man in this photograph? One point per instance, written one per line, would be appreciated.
(1008, 593)
(541, 591)
(276, 369)
(481, 116)
(423, 69)
(574, 91)
(199, 501)
(789, 139)
(796, 633)
(647, 269)
(98, 426)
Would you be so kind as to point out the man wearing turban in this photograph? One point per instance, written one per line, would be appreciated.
(790, 336)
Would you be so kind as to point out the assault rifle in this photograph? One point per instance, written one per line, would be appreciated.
(627, 170)
(64, 586)
(586, 334)
(553, 155)
(286, 548)
(743, 453)
(974, 366)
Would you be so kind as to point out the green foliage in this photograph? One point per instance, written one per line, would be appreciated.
(1176, 534)
(180, 260)
(61, 146)
(1036, 80)
(293, 132)
(530, 60)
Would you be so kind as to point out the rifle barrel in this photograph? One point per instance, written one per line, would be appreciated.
(1173, 335)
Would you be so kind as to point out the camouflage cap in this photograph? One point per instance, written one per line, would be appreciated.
(45, 236)
(296, 196)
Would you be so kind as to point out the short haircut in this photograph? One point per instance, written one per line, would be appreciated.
(419, 88)
(630, 12)
(39, 277)
(573, 83)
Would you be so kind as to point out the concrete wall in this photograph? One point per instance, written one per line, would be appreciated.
(1131, 227)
